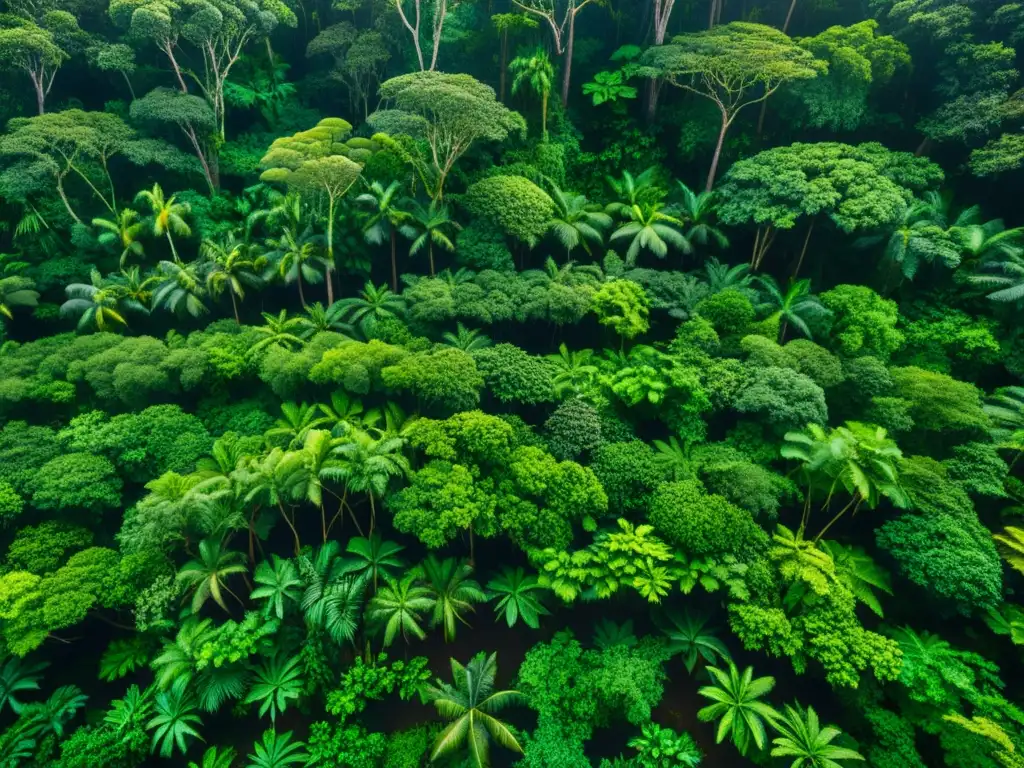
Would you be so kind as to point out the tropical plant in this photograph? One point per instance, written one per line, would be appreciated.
(275, 682)
(453, 592)
(180, 289)
(167, 217)
(98, 304)
(370, 307)
(698, 212)
(859, 573)
(373, 556)
(123, 657)
(517, 596)
(1011, 546)
(278, 584)
(366, 465)
(215, 757)
(1005, 276)
(175, 720)
(651, 228)
(277, 751)
(661, 747)
(279, 329)
(231, 267)
(296, 257)
(398, 608)
(796, 307)
(123, 233)
(644, 189)
(573, 370)
(466, 339)
(689, 634)
(721, 277)
(56, 711)
(673, 458)
(576, 223)
(432, 225)
(206, 575)
(333, 598)
(471, 703)
(737, 707)
(534, 71)
(16, 677)
(803, 739)
(387, 220)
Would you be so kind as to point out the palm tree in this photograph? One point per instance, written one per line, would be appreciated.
(16, 291)
(698, 211)
(296, 420)
(320, 319)
(231, 267)
(134, 287)
(398, 607)
(278, 583)
(651, 228)
(54, 713)
(168, 217)
(737, 708)
(453, 590)
(366, 465)
(466, 339)
(374, 556)
(1006, 275)
(205, 576)
(180, 289)
(296, 256)
(333, 598)
(277, 751)
(175, 720)
(673, 458)
(386, 220)
(575, 222)
(123, 233)
(215, 757)
(722, 277)
(342, 414)
(536, 73)
(857, 458)
(987, 241)
(471, 703)
(859, 573)
(573, 370)
(98, 304)
(690, 635)
(806, 742)
(281, 330)
(275, 478)
(433, 225)
(17, 676)
(795, 307)
(920, 235)
(372, 305)
(277, 680)
(1011, 546)
(643, 189)
(514, 592)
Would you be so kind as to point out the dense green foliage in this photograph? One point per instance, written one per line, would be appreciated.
(548, 383)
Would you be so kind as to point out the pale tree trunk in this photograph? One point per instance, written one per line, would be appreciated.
(803, 251)
(329, 269)
(567, 73)
(413, 30)
(718, 152)
(440, 12)
(764, 104)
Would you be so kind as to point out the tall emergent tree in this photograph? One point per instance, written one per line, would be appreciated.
(316, 163)
(449, 113)
(562, 22)
(733, 65)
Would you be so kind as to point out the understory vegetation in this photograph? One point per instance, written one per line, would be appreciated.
(547, 383)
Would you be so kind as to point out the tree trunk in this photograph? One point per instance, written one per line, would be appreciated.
(234, 306)
(373, 513)
(764, 104)
(789, 16)
(329, 269)
(302, 295)
(174, 251)
(718, 153)
(544, 115)
(803, 251)
(40, 95)
(430, 255)
(567, 70)
(653, 91)
(394, 262)
(177, 70)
